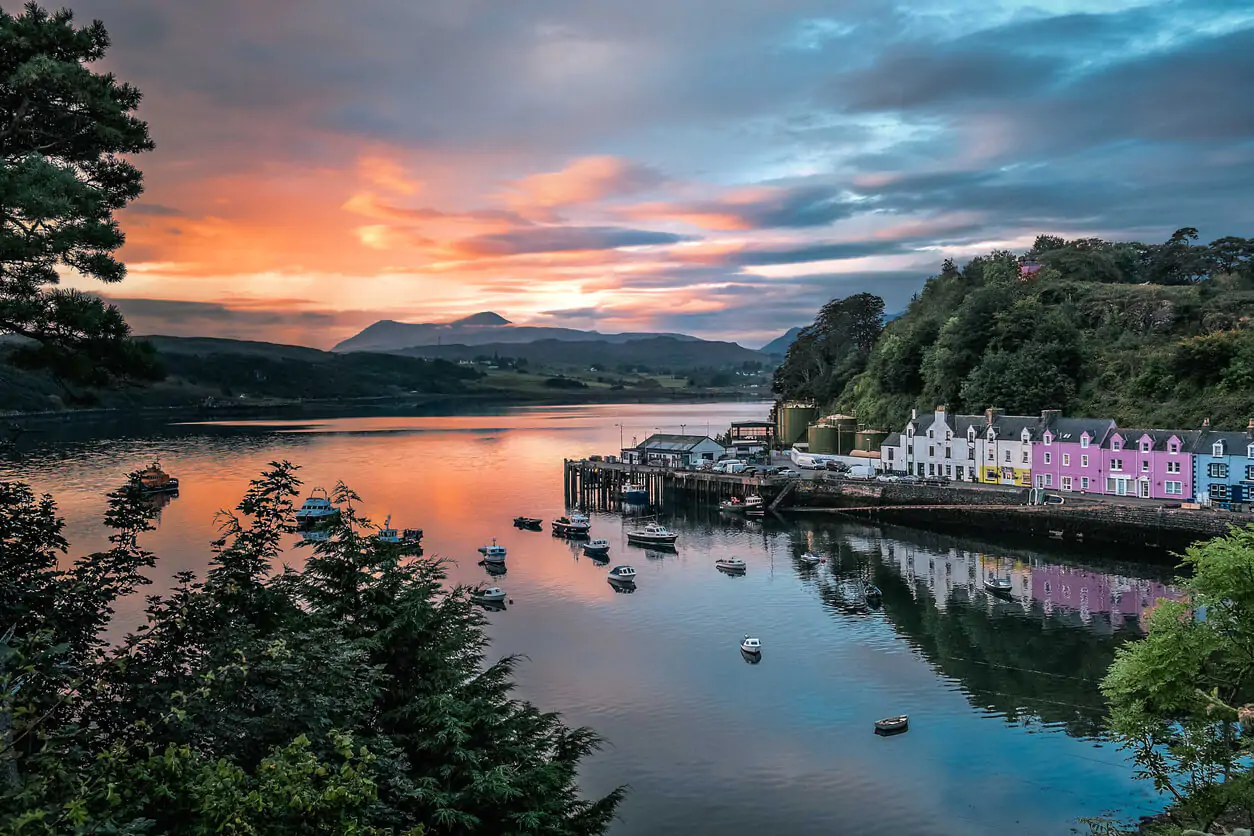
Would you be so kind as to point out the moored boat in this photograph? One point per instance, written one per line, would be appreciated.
(812, 559)
(653, 534)
(622, 574)
(597, 548)
(491, 595)
(494, 553)
(409, 538)
(152, 479)
(576, 525)
(997, 586)
(317, 508)
(751, 645)
(892, 725)
(731, 565)
(636, 493)
(533, 523)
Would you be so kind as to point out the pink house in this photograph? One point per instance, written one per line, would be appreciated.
(1151, 464)
(1069, 455)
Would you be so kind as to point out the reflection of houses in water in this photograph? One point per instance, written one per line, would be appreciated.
(1092, 592)
(955, 571)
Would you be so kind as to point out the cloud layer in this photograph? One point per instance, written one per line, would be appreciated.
(721, 166)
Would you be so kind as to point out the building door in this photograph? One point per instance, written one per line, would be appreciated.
(1121, 487)
(1144, 489)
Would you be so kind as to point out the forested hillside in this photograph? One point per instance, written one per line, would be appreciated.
(1147, 334)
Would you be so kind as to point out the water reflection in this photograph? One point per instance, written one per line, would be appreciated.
(1001, 691)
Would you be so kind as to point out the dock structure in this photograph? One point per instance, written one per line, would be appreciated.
(600, 484)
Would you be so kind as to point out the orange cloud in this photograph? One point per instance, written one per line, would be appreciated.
(388, 174)
(586, 180)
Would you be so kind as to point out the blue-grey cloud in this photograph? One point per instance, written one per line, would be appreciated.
(553, 239)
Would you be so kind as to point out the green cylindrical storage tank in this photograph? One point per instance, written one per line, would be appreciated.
(869, 440)
(793, 420)
(822, 439)
(846, 432)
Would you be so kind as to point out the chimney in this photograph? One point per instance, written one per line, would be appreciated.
(1049, 416)
(992, 414)
(914, 414)
(1206, 423)
(1250, 426)
(940, 410)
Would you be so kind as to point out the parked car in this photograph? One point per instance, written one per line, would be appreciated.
(837, 467)
(750, 470)
(788, 473)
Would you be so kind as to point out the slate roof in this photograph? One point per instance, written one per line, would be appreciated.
(1010, 427)
(1235, 444)
(961, 423)
(891, 440)
(1132, 437)
(672, 443)
(1069, 430)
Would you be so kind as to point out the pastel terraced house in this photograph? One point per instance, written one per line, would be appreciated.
(1006, 453)
(1069, 456)
(1151, 464)
(1223, 467)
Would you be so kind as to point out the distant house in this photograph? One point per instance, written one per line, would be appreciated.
(1151, 464)
(1069, 457)
(940, 446)
(671, 450)
(1223, 467)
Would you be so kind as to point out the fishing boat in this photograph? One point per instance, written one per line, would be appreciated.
(316, 509)
(493, 553)
(636, 493)
(751, 645)
(491, 595)
(892, 725)
(731, 565)
(534, 523)
(597, 548)
(623, 574)
(997, 586)
(152, 479)
(409, 538)
(576, 525)
(653, 534)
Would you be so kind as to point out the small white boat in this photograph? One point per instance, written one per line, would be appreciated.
(598, 547)
(623, 574)
(997, 586)
(653, 534)
(576, 525)
(892, 725)
(316, 509)
(491, 595)
(751, 645)
(730, 565)
(812, 559)
(493, 553)
(409, 537)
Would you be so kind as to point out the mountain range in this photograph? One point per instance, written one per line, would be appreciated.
(491, 334)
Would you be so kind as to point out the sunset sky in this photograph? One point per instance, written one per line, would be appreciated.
(717, 167)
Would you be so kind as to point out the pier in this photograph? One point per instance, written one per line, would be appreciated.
(600, 484)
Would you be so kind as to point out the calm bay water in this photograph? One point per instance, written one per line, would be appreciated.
(1002, 694)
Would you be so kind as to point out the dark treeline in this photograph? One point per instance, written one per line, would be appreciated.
(1146, 334)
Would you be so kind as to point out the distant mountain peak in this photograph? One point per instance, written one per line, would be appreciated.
(482, 318)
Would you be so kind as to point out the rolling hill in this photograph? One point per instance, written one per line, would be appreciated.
(662, 353)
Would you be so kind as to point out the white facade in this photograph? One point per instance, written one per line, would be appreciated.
(939, 446)
(669, 450)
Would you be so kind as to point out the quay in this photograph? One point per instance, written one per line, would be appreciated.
(954, 508)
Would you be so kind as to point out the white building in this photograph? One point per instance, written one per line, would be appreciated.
(942, 445)
(669, 450)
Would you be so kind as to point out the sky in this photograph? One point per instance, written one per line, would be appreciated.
(715, 167)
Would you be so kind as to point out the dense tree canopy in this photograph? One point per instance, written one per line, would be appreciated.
(829, 353)
(64, 131)
(1146, 334)
(352, 696)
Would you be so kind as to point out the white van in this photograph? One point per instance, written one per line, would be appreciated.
(730, 466)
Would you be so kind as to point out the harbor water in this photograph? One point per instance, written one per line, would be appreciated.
(1006, 721)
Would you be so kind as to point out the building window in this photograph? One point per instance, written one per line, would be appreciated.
(1116, 464)
(1066, 483)
(949, 454)
(971, 473)
(1217, 449)
(990, 454)
(931, 434)
(1007, 457)
(910, 450)
(1173, 488)
(948, 435)
(1116, 444)
(971, 454)
(1049, 439)
(1084, 483)
(1173, 467)
(1048, 458)
(890, 454)
(1084, 442)
(931, 451)
(1219, 491)
(1110, 485)
(1084, 461)
(1217, 470)
(1249, 452)
(1173, 448)
(1066, 460)
(1145, 446)
(1049, 480)
(1144, 466)
(949, 470)
(931, 469)
(909, 432)
(1249, 471)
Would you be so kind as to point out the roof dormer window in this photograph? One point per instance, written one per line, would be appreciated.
(1173, 447)
(1217, 449)
(909, 432)
(1145, 446)
(1116, 443)
(1084, 441)
(1048, 439)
